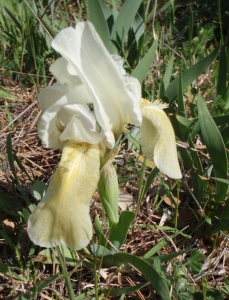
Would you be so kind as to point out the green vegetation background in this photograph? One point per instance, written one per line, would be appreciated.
(179, 52)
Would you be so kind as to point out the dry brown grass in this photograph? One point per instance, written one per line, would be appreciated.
(38, 161)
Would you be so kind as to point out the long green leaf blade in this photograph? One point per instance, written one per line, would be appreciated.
(188, 77)
(199, 185)
(149, 180)
(10, 157)
(125, 18)
(4, 94)
(96, 16)
(119, 231)
(222, 77)
(166, 78)
(143, 67)
(180, 100)
(14, 18)
(215, 146)
(148, 271)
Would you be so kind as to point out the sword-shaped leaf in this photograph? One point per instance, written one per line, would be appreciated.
(189, 76)
(215, 146)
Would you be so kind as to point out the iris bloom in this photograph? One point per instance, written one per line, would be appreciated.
(84, 114)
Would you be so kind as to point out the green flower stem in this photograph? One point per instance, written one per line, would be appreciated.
(141, 187)
(66, 276)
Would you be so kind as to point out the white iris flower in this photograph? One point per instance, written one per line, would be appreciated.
(84, 112)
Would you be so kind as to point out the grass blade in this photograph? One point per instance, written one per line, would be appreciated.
(11, 157)
(215, 146)
(119, 231)
(149, 181)
(4, 94)
(199, 185)
(66, 275)
(222, 76)
(125, 18)
(143, 67)
(96, 16)
(188, 77)
(148, 271)
(13, 17)
(190, 34)
(180, 100)
(167, 77)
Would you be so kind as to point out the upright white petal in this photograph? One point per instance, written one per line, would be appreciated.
(114, 104)
(66, 75)
(51, 94)
(158, 139)
(75, 94)
(119, 62)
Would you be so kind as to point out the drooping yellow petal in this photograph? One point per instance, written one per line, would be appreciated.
(62, 217)
(158, 139)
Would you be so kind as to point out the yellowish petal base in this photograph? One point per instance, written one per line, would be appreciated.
(62, 217)
(158, 139)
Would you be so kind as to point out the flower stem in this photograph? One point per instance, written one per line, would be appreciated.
(66, 276)
(140, 194)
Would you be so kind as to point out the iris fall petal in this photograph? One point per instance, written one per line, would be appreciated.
(62, 217)
(158, 139)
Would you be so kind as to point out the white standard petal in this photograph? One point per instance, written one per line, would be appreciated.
(158, 139)
(115, 105)
(51, 94)
(65, 73)
(119, 62)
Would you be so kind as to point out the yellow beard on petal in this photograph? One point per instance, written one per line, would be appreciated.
(62, 217)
